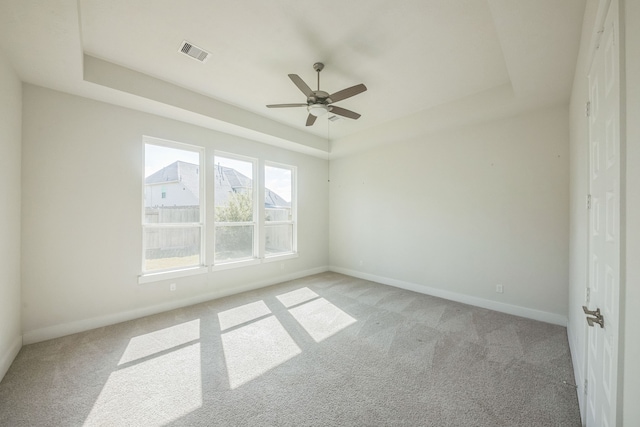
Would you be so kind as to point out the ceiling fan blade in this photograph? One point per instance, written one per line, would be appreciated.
(344, 112)
(285, 105)
(347, 93)
(301, 85)
(311, 119)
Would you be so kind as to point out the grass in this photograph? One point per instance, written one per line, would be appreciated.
(173, 262)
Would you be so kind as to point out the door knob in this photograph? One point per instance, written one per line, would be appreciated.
(598, 318)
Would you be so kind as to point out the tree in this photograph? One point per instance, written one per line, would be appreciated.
(234, 241)
(238, 209)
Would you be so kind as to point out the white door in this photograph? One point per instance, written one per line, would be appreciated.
(604, 241)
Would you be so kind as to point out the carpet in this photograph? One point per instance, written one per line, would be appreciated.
(324, 350)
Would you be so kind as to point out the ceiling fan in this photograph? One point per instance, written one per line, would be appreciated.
(320, 102)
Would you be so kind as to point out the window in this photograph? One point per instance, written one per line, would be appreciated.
(279, 209)
(253, 215)
(235, 209)
(172, 220)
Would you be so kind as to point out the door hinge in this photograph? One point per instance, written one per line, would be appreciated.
(587, 295)
(587, 109)
(586, 383)
(588, 201)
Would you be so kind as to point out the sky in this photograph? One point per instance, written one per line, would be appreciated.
(156, 157)
(245, 168)
(278, 180)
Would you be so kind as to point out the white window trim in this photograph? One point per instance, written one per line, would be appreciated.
(156, 275)
(235, 264)
(255, 259)
(171, 274)
(280, 257)
(294, 213)
(208, 200)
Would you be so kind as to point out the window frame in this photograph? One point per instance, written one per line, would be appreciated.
(147, 276)
(294, 213)
(207, 211)
(255, 257)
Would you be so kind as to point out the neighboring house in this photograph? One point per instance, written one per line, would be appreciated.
(229, 180)
(178, 185)
(171, 195)
(174, 185)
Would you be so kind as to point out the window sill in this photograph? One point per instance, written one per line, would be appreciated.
(280, 257)
(235, 264)
(173, 274)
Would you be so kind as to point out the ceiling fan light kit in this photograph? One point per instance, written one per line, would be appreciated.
(318, 109)
(319, 102)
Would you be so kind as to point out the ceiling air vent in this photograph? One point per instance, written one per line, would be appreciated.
(194, 51)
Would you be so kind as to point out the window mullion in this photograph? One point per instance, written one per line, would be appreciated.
(173, 225)
(234, 224)
(260, 240)
(270, 223)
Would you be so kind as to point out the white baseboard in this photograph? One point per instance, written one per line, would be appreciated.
(529, 313)
(60, 330)
(9, 355)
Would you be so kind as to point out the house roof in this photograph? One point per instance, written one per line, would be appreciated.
(231, 178)
(179, 171)
(227, 181)
(272, 200)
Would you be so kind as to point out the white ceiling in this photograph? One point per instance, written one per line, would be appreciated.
(414, 56)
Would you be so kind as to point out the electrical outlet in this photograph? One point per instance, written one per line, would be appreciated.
(499, 289)
(172, 287)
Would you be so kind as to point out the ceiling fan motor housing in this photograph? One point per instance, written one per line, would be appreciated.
(319, 97)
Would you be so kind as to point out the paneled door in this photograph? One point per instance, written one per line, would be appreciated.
(604, 241)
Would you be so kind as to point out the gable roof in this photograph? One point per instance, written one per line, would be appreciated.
(179, 171)
(273, 200)
(226, 180)
(231, 178)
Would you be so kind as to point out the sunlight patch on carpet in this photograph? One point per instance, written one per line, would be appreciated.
(297, 297)
(321, 319)
(154, 392)
(161, 340)
(254, 349)
(243, 314)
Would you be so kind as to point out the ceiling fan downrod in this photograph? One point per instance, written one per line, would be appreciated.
(318, 66)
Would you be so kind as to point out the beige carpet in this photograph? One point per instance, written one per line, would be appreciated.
(326, 350)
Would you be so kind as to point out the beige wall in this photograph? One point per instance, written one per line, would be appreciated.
(82, 189)
(10, 135)
(456, 213)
